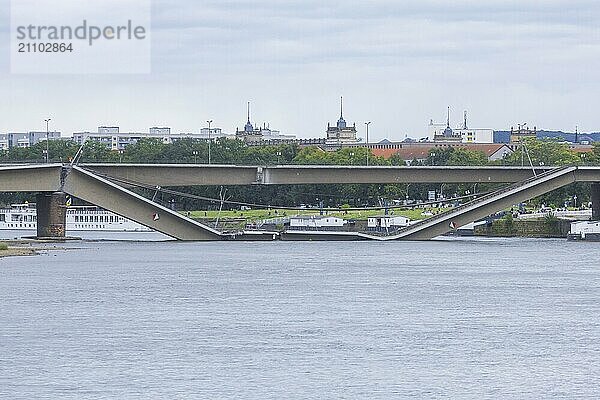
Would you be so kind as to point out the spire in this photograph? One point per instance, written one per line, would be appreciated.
(448, 131)
(465, 125)
(341, 124)
(248, 127)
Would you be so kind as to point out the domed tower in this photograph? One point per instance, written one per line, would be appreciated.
(341, 133)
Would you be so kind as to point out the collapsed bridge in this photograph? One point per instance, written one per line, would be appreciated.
(99, 184)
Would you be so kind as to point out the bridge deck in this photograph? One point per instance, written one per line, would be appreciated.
(194, 175)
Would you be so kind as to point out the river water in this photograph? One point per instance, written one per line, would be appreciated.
(456, 318)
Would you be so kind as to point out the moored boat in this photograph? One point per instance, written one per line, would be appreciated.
(79, 218)
(585, 230)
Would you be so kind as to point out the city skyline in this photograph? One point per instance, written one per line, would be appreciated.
(229, 131)
(397, 65)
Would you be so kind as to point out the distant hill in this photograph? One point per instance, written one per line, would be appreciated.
(504, 136)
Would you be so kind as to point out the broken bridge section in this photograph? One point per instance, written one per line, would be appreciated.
(484, 206)
(89, 187)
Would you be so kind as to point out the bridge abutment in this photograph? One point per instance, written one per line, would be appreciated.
(596, 201)
(51, 215)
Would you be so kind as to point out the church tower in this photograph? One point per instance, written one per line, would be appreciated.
(341, 133)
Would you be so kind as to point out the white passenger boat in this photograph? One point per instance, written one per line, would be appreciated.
(585, 230)
(79, 218)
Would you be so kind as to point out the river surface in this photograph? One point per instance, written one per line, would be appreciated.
(457, 318)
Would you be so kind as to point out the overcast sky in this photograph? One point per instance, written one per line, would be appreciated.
(397, 63)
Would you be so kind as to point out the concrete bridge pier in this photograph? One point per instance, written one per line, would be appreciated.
(51, 215)
(596, 201)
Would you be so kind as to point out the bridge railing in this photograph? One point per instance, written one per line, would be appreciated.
(480, 199)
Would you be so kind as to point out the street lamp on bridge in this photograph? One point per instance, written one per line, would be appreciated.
(368, 150)
(47, 121)
(209, 139)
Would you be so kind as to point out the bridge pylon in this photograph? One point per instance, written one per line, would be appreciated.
(51, 215)
(595, 201)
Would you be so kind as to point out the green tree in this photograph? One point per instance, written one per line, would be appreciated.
(594, 156)
(547, 152)
(59, 150)
(146, 150)
(97, 152)
(226, 151)
(462, 156)
(345, 156)
(312, 156)
(455, 156)
(396, 160)
(439, 156)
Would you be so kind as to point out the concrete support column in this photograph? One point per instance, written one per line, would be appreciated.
(51, 215)
(596, 201)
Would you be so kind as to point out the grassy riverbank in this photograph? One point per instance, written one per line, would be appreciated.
(15, 248)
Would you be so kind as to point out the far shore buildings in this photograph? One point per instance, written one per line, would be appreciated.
(522, 133)
(444, 133)
(495, 144)
(25, 139)
(116, 140)
(419, 151)
(340, 134)
(257, 134)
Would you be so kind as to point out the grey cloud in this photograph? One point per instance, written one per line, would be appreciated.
(296, 32)
(411, 55)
